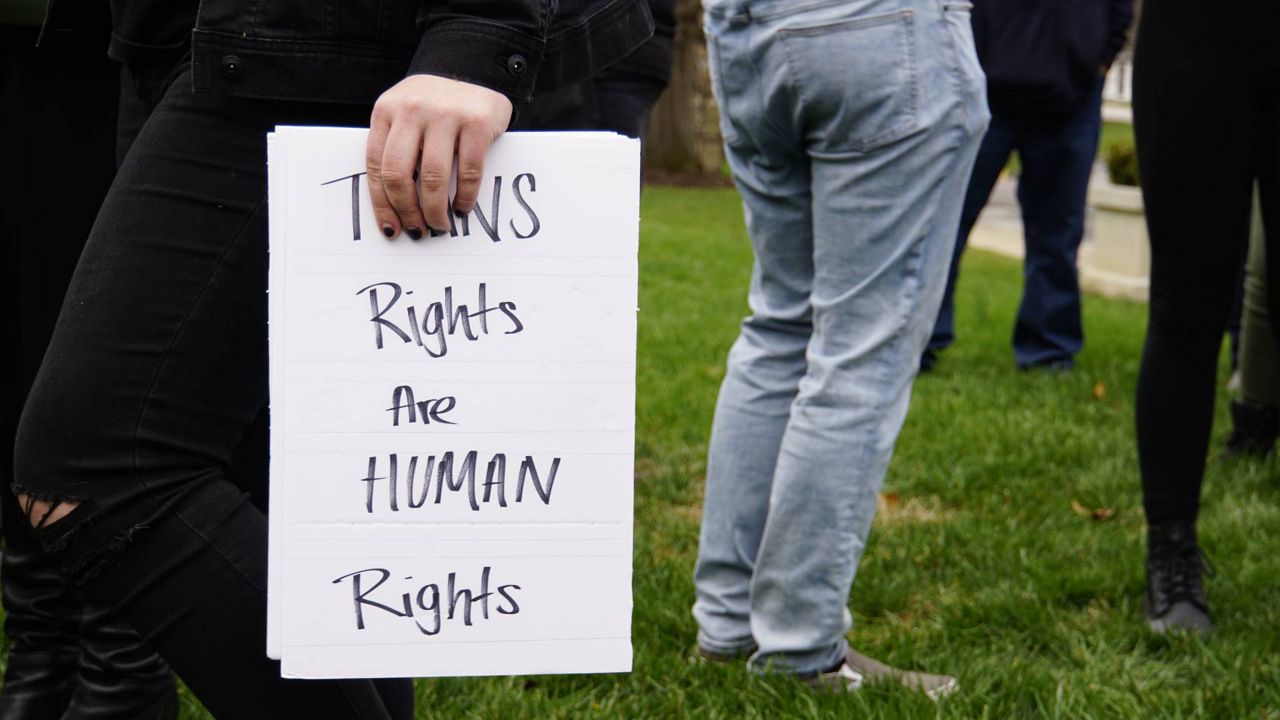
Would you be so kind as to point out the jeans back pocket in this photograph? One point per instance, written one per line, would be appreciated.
(855, 80)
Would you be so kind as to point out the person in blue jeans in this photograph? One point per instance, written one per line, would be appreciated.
(850, 128)
(1044, 63)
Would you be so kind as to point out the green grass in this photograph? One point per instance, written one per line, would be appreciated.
(977, 565)
(1114, 132)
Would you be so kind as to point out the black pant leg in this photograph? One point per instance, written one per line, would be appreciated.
(1268, 158)
(156, 370)
(57, 112)
(1197, 196)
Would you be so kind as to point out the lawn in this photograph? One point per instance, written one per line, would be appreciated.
(1008, 548)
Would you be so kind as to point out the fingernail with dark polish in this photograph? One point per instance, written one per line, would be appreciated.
(434, 232)
(414, 233)
(388, 231)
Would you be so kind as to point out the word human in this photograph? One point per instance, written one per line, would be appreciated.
(437, 321)
(416, 488)
(459, 224)
(423, 605)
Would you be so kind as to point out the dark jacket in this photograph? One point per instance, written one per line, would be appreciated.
(1044, 57)
(350, 51)
(653, 59)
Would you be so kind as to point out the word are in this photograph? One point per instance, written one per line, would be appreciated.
(437, 321)
(415, 487)
(460, 224)
(430, 410)
(425, 603)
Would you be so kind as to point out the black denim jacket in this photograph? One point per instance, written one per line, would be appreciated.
(350, 51)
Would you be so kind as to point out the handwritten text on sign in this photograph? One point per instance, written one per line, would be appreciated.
(452, 418)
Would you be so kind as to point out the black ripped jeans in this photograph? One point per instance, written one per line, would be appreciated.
(156, 372)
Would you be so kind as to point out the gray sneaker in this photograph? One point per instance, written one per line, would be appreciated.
(705, 655)
(858, 669)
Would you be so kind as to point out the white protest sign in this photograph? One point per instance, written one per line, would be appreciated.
(453, 418)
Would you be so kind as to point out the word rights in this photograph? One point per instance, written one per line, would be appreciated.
(452, 418)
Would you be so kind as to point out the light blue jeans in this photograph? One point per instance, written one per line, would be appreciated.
(851, 127)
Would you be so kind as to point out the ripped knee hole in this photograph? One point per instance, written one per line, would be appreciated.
(42, 513)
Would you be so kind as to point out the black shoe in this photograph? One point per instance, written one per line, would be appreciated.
(928, 359)
(1175, 593)
(42, 620)
(1061, 366)
(1254, 430)
(121, 676)
(69, 662)
(37, 685)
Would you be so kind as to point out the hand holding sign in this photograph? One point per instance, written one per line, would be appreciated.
(415, 130)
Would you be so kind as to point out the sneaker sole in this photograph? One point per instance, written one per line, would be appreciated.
(943, 690)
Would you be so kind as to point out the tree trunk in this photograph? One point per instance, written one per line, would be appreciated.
(684, 134)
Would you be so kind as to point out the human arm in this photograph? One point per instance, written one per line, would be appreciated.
(476, 60)
(1119, 18)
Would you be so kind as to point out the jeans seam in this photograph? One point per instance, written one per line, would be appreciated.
(767, 16)
(855, 23)
(919, 249)
(758, 83)
(729, 134)
(957, 78)
(878, 410)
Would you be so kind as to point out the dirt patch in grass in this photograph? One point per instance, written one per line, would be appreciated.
(690, 513)
(893, 509)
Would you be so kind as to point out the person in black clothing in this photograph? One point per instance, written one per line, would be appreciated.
(1206, 103)
(157, 367)
(1045, 61)
(57, 114)
(1255, 417)
(621, 97)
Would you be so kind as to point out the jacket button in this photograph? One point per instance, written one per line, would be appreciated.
(231, 66)
(516, 65)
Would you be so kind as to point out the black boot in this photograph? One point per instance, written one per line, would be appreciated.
(37, 684)
(1254, 430)
(120, 675)
(1175, 592)
(42, 620)
(67, 662)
